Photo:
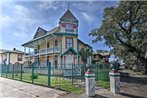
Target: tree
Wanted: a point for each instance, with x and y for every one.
(85, 53)
(101, 51)
(125, 26)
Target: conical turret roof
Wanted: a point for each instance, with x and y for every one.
(68, 16)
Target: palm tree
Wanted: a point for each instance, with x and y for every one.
(85, 53)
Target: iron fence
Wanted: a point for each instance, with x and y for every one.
(50, 75)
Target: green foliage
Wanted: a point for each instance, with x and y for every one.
(85, 53)
(103, 84)
(72, 88)
(124, 28)
(101, 51)
(35, 76)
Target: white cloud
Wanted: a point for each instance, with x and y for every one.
(20, 34)
(6, 20)
(47, 5)
(89, 18)
(21, 10)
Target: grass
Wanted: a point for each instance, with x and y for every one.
(56, 82)
(72, 88)
(103, 84)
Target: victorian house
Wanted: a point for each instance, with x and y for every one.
(60, 45)
(11, 56)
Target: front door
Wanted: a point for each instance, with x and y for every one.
(69, 60)
(68, 65)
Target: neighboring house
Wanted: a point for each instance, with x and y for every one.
(97, 57)
(59, 45)
(11, 56)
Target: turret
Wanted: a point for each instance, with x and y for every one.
(68, 23)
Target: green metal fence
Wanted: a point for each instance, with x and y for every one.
(55, 76)
(101, 72)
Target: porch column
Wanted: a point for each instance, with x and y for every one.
(29, 54)
(29, 50)
(24, 51)
(9, 59)
(46, 51)
(39, 61)
(53, 50)
(78, 52)
(61, 51)
(34, 51)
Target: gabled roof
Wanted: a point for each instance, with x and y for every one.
(54, 30)
(39, 32)
(84, 43)
(2, 50)
(11, 51)
(71, 50)
(68, 16)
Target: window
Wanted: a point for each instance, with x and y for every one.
(48, 45)
(69, 42)
(38, 47)
(48, 59)
(69, 28)
(19, 58)
(56, 43)
(56, 61)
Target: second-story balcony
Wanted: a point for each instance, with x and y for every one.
(44, 51)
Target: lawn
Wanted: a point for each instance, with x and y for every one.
(103, 84)
(56, 82)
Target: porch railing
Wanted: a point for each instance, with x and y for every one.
(43, 51)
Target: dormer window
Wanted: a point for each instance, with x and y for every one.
(69, 28)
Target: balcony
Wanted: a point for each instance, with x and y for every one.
(44, 51)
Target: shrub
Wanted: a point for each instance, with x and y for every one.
(35, 76)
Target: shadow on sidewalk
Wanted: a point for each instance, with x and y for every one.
(138, 80)
(98, 96)
(131, 96)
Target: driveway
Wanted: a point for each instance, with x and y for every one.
(16, 89)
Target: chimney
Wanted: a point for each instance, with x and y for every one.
(14, 49)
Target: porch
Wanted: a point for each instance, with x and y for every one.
(43, 51)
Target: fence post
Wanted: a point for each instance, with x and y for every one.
(72, 74)
(21, 72)
(13, 72)
(97, 72)
(49, 73)
(32, 73)
(6, 71)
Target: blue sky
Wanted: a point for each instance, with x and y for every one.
(20, 19)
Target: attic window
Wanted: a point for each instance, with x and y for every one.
(39, 33)
(69, 28)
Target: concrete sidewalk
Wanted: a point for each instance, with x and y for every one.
(17, 89)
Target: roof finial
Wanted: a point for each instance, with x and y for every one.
(68, 5)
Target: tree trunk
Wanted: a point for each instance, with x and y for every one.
(145, 66)
(144, 62)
